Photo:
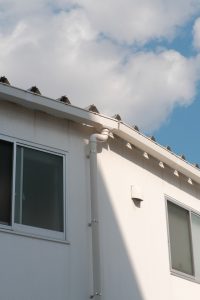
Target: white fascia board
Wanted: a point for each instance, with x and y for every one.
(70, 112)
(54, 107)
(157, 151)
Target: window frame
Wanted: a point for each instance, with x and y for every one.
(31, 230)
(190, 211)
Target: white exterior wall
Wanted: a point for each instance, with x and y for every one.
(42, 269)
(133, 241)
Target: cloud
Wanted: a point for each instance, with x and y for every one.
(159, 82)
(58, 46)
(196, 34)
(139, 20)
(124, 20)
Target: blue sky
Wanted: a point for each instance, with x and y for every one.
(140, 59)
(182, 127)
(181, 131)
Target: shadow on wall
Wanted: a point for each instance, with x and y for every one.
(119, 279)
(135, 263)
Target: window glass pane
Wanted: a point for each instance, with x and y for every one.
(39, 189)
(180, 241)
(196, 243)
(6, 161)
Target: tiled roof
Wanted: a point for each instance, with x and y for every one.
(93, 109)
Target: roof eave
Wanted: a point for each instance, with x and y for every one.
(157, 151)
(70, 112)
(54, 107)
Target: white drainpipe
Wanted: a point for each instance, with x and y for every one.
(94, 139)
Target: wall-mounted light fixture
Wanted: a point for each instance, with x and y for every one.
(136, 195)
(190, 181)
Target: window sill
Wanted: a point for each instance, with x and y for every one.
(10, 230)
(185, 276)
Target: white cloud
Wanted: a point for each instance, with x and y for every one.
(196, 33)
(158, 83)
(139, 20)
(123, 20)
(59, 50)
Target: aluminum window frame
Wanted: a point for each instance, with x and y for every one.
(190, 211)
(32, 231)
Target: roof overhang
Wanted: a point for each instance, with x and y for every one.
(158, 151)
(60, 110)
(55, 108)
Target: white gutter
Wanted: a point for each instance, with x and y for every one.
(94, 139)
(70, 112)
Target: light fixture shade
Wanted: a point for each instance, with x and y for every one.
(136, 193)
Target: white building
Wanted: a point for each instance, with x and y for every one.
(114, 219)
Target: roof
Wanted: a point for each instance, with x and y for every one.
(62, 108)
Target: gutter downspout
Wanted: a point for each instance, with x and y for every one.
(94, 139)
